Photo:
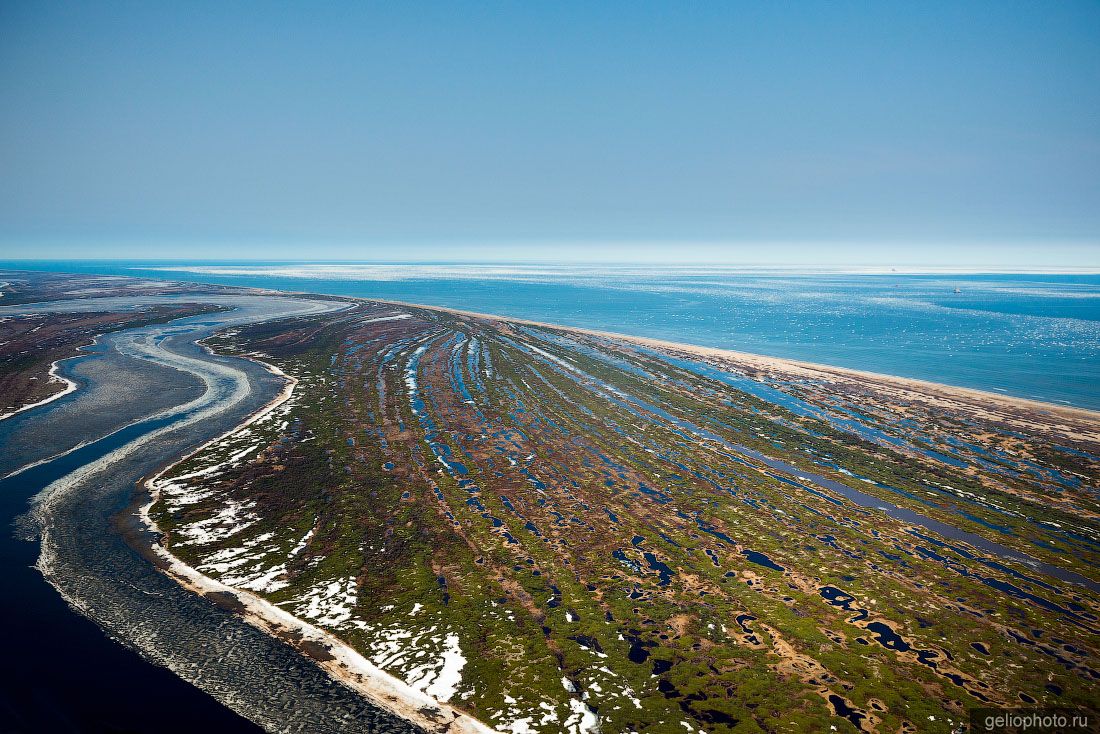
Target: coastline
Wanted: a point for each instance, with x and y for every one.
(70, 386)
(759, 361)
(337, 660)
(86, 561)
(1010, 407)
(342, 662)
(348, 666)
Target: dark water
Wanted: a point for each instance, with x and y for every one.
(1035, 336)
(62, 672)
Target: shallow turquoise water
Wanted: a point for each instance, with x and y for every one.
(1034, 336)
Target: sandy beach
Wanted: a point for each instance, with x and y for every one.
(1023, 413)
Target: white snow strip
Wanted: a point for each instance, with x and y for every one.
(396, 317)
(70, 386)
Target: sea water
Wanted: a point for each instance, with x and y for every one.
(1034, 336)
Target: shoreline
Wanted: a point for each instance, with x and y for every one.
(761, 360)
(70, 386)
(342, 662)
(339, 661)
(346, 665)
(764, 360)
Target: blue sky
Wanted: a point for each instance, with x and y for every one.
(816, 133)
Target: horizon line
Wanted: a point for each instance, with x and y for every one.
(200, 265)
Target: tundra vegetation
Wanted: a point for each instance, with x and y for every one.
(562, 531)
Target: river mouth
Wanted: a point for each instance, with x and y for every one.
(143, 654)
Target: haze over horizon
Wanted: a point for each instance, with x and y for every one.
(885, 135)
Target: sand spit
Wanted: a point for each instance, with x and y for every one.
(390, 693)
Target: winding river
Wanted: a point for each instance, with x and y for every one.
(171, 661)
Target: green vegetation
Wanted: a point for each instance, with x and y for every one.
(572, 519)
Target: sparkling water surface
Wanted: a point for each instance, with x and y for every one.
(1035, 336)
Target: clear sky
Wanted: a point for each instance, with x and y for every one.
(944, 133)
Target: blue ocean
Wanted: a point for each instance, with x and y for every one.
(1034, 336)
